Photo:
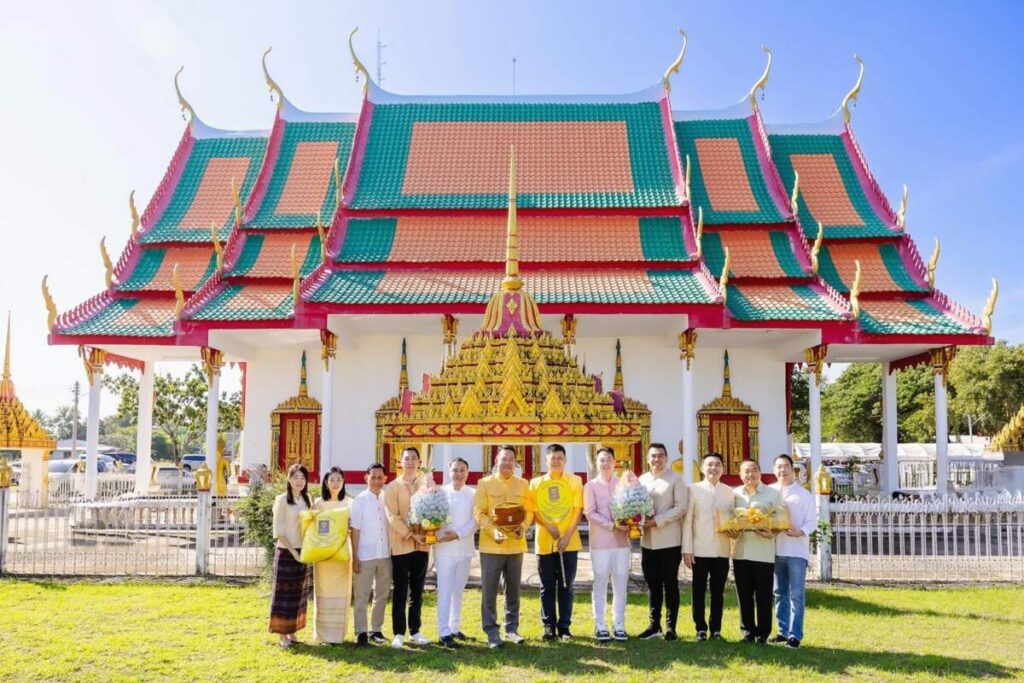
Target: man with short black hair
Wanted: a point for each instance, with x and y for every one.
(661, 543)
(371, 556)
(706, 551)
(792, 553)
(409, 555)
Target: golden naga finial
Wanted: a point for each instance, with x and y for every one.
(762, 81)
(136, 221)
(901, 214)
(700, 232)
(271, 83)
(816, 249)
(108, 266)
(855, 291)
(179, 293)
(185, 106)
(674, 66)
(794, 198)
(854, 92)
(512, 282)
(687, 180)
(933, 263)
(238, 201)
(217, 248)
(990, 307)
(296, 279)
(323, 237)
(358, 65)
(337, 185)
(51, 308)
(723, 280)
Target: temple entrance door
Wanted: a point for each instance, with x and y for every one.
(300, 442)
(728, 435)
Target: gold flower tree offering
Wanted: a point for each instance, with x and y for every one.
(428, 511)
(757, 517)
(631, 504)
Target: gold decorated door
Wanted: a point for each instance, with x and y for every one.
(300, 442)
(729, 435)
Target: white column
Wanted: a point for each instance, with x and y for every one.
(92, 431)
(327, 459)
(890, 433)
(690, 454)
(212, 419)
(941, 436)
(203, 518)
(814, 409)
(144, 430)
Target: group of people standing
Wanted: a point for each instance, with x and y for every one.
(388, 555)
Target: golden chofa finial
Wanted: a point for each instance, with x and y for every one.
(136, 221)
(108, 266)
(854, 92)
(674, 66)
(855, 291)
(185, 106)
(901, 214)
(360, 69)
(323, 237)
(816, 249)
(794, 198)
(512, 281)
(238, 201)
(296, 279)
(933, 263)
(217, 248)
(990, 307)
(700, 232)
(723, 280)
(762, 81)
(271, 83)
(179, 293)
(51, 308)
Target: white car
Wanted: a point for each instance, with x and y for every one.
(192, 461)
(171, 478)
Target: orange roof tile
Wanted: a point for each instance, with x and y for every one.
(462, 157)
(213, 201)
(724, 174)
(875, 275)
(822, 189)
(406, 285)
(308, 178)
(258, 297)
(147, 312)
(751, 254)
(192, 264)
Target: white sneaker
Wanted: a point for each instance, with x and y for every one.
(398, 642)
(418, 639)
(514, 638)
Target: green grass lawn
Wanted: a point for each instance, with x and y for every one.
(163, 631)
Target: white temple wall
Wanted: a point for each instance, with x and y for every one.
(368, 367)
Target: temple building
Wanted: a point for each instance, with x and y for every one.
(467, 271)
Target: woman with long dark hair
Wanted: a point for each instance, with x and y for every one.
(291, 577)
(332, 579)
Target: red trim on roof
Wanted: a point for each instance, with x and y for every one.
(521, 212)
(672, 150)
(876, 198)
(768, 169)
(266, 172)
(350, 183)
(57, 339)
(165, 190)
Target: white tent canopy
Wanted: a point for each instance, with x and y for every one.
(906, 452)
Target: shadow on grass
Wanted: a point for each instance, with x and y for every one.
(587, 658)
(834, 602)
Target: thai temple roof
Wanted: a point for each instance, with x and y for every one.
(18, 429)
(624, 206)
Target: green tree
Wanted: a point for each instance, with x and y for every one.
(987, 383)
(798, 405)
(59, 422)
(851, 406)
(179, 407)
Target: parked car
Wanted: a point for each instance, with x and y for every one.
(192, 461)
(171, 478)
(125, 460)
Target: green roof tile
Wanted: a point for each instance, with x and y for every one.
(367, 240)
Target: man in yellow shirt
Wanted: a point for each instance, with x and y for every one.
(556, 499)
(501, 554)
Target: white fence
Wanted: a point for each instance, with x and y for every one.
(969, 539)
(143, 536)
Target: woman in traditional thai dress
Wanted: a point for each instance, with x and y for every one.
(332, 579)
(291, 577)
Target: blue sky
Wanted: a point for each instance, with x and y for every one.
(90, 113)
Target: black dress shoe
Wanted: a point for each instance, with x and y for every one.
(748, 639)
(564, 634)
(461, 636)
(549, 634)
(793, 643)
(779, 639)
(761, 640)
(671, 635)
(377, 638)
(702, 635)
(716, 636)
(362, 640)
(449, 641)
(651, 631)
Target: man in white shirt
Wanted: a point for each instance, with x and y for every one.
(792, 553)
(453, 553)
(371, 556)
(706, 551)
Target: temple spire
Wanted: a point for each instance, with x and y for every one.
(6, 385)
(303, 387)
(403, 375)
(618, 385)
(512, 282)
(726, 378)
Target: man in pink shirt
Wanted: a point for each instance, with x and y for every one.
(609, 549)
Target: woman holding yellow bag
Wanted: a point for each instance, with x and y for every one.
(332, 577)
